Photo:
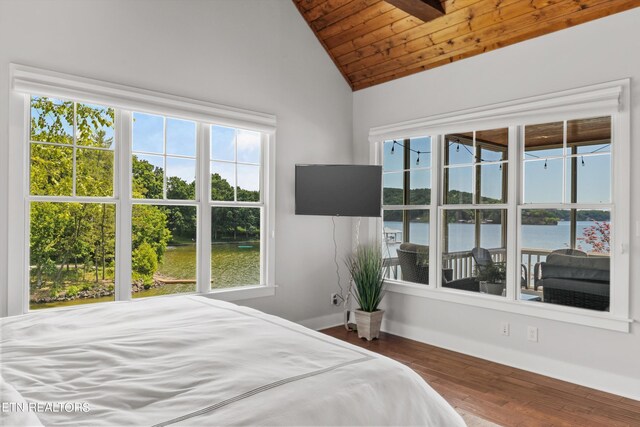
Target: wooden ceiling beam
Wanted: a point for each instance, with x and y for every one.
(425, 10)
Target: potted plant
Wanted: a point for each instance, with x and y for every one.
(366, 267)
(492, 278)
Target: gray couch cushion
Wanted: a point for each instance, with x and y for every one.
(596, 263)
(576, 267)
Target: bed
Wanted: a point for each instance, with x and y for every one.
(191, 360)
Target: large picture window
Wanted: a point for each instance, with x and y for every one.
(528, 211)
(75, 169)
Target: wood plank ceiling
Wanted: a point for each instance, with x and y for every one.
(372, 41)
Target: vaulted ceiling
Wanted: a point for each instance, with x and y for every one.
(373, 41)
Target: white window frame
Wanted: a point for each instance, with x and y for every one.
(605, 99)
(27, 81)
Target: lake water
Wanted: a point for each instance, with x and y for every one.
(462, 236)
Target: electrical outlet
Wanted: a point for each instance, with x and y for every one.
(504, 328)
(334, 299)
(532, 333)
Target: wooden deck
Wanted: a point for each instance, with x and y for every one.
(501, 394)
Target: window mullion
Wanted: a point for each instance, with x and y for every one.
(203, 186)
(124, 211)
(513, 263)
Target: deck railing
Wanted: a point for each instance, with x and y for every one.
(463, 265)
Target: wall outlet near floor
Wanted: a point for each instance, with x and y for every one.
(532, 333)
(504, 329)
(334, 299)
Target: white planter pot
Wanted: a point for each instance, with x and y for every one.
(368, 324)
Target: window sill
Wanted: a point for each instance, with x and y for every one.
(545, 311)
(241, 293)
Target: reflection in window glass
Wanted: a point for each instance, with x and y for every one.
(163, 257)
(72, 253)
(235, 247)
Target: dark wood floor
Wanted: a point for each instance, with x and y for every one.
(499, 393)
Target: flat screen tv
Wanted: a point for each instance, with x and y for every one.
(338, 190)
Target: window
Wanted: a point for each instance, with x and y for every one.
(531, 203)
(565, 217)
(236, 207)
(475, 211)
(406, 200)
(164, 233)
(125, 203)
(71, 238)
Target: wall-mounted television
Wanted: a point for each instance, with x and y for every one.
(338, 190)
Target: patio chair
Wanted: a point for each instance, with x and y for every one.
(483, 259)
(414, 262)
(537, 274)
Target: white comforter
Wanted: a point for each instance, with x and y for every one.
(196, 361)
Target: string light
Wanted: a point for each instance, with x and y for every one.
(408, 148)
(582, 160)
(545, 163)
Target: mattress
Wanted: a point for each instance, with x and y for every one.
(191, 360)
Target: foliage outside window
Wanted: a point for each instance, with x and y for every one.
(72, 244)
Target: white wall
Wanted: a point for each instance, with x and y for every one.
(254, 54)
(599, 51)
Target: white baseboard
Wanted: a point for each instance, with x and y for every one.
(323, 322)
(562, 370)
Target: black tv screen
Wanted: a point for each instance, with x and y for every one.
(338, 190)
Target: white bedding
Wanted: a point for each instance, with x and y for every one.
(195, 361)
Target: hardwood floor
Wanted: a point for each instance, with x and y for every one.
(499, 393)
